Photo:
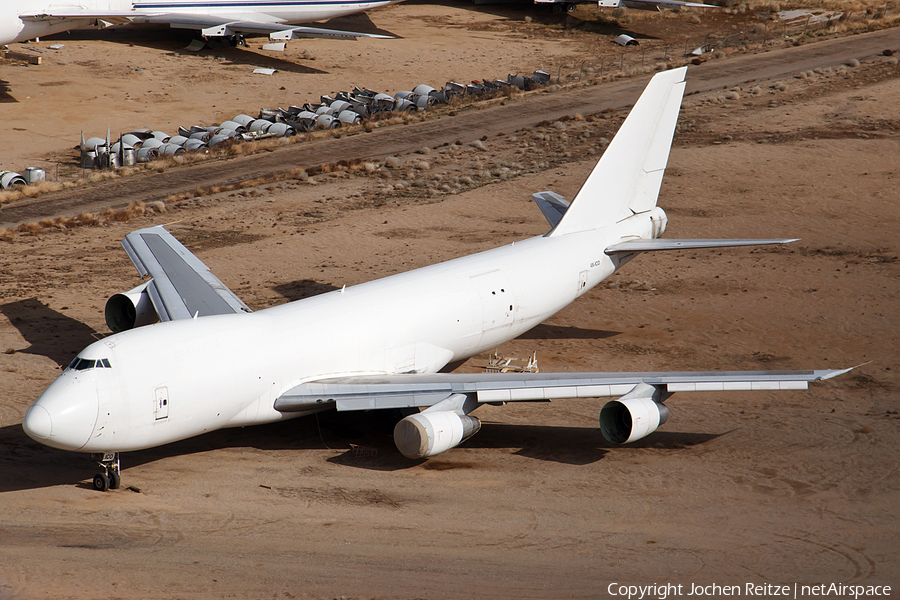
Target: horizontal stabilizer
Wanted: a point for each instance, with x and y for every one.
(552, 205)
(656, 245)
(420, 390)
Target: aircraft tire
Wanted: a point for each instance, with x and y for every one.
(101, 482)
(115, 480)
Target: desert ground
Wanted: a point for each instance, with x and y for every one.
(763, 488)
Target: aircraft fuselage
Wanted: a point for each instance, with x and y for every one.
(181, 378)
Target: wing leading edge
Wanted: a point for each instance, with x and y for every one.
(182, 286)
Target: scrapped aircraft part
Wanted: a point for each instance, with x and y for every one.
(327, 122)
(633, 416)
(201, 136)
(402, 104)
(10, 179)
(348, 117)
(259, 126)
(540, 77)
(339, 106)
(518, 81)
(280, 130)
(244, 120)
(129, 139)
(117, 147)
(626, 40)
(178, 140)
(423, 90)
(151, 143)
(128, 157)
(383, 102)
(89, 159)
(108, 160)
(34, 175)
(304, 121)
(93, 142)
(130, 309)
(218, 139)
(505, 364)
(194, 144)
(262, 71)
(232, 125)
(161, 136)
(430, 433)
(144, 155)
(171, 149)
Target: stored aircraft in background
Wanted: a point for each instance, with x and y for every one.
(212, 363)
(656, 5)
(224, 20)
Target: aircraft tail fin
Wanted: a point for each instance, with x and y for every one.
(628, 176)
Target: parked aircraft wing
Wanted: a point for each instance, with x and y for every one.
(552, 205)
(629, 246)
(182, 286)
(420, 390)
(218, 26)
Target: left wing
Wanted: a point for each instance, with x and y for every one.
(450, 397)
(182, 286)
(422, 390)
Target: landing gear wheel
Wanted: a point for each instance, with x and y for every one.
(101, 482)
(108, 478)
(570, 8)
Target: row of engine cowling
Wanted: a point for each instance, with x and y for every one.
(143, 145)
(345, 108)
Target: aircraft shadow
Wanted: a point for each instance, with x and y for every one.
(303, 288)
(49, 333)
(545, 331)
(366, 438)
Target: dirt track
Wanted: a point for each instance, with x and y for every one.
(464, 127)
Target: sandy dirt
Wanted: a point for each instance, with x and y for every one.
(741, 488)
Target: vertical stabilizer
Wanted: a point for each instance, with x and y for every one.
(627, 178)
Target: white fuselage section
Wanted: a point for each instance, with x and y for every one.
(13, 29)
(178, 379)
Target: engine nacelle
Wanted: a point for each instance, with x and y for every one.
(130, 309)
(430, 433)
(629, 419)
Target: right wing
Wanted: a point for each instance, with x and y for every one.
(182, 286)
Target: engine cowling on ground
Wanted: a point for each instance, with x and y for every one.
(130, 309)
(629, 419)
(430, 433)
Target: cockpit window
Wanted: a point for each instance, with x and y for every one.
(83, 364)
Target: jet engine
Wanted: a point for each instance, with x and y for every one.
(430, 433)
(633, 416)
(130, 309)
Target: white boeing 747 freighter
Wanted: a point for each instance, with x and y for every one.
(212, 363)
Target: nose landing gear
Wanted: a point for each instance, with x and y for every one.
(108, 478)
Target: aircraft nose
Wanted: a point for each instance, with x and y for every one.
(65, 415)
(37, 423)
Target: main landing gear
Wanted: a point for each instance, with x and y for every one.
(108, 478)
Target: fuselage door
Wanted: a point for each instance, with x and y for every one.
(161, 403)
